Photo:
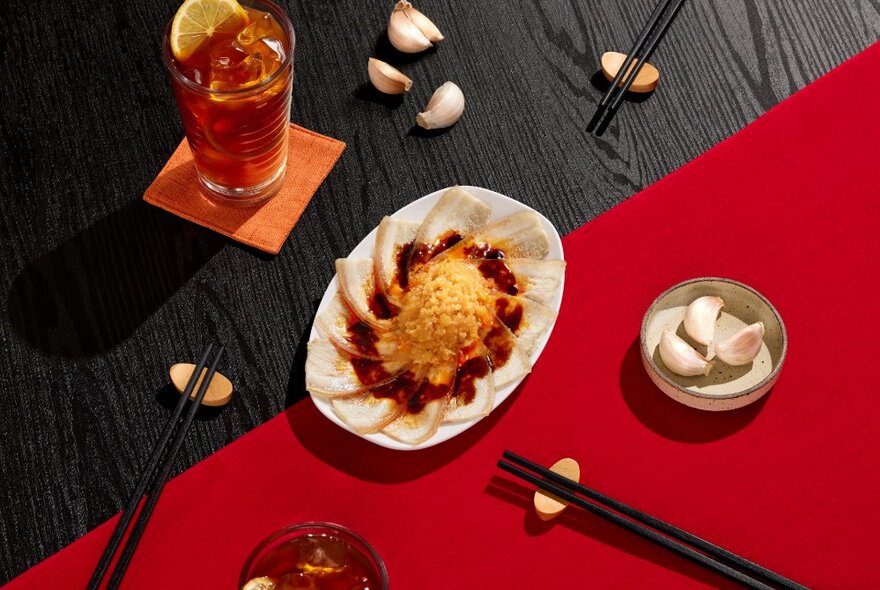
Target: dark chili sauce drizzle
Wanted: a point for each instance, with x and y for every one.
(363, 338)
(401, 388)
(492, 266)
(426, 393)
(500, 274)
(509, 312)
(484, 251)
(409, 256)
(369, 372)
(381, 307)
(408, 388)
(465, 377)
(499, 344)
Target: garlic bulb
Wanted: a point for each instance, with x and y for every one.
(444, 108)
(699, 319)
(742, 347)
(386, 78)
(680, 357)
(409, 30)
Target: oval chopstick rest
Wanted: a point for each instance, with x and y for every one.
(219, 391)
(549, 506)
(646, 80)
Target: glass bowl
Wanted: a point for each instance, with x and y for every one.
(280, 552)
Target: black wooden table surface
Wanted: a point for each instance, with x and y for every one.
(101, 293)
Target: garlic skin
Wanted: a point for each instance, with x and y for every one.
(409, 34)
(444, 108)
(699, 319)
(742, 347)
(424, 24)
(680, 357)
(387, 78)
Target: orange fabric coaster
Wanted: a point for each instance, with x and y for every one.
(310, 158)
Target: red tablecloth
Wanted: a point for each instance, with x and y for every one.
(790, 206)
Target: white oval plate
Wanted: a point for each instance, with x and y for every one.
(416, 211)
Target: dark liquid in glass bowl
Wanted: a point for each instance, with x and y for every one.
(315, 562)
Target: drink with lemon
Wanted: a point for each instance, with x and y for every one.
(231, 69)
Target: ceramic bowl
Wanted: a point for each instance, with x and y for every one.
(726, 387)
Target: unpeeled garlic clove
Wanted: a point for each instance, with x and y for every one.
(699, 319)
(444, 108)
(428, 28)
(742, 347)
(386, 78)
(680, 357)
(409, 30)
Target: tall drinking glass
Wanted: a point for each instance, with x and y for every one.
(234, 100)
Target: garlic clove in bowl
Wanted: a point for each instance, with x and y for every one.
(680, 357)
(742, 348)
(727, 387)
(699, 319)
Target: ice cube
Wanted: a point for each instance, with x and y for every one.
(320, 553)
(262, 27)
(232, 67)
(271, 53)
(263, 37)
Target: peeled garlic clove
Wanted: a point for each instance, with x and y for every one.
(444, 108)
(264, 583)
(742, 347)
(424, 24)
(403, 32)
(680, 357)
(386, 78)
(699, 319)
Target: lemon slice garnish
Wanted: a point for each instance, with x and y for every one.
(197, 21)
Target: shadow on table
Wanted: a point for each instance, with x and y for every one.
(90, 293)
(362, 459)
(167, 396)
(383, 50)
(601, 84)
(416, 131)
(671, 419)
(368, 92)
(584, 523)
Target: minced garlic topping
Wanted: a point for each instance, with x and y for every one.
(445, 310)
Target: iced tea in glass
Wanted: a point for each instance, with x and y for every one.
(233, 93)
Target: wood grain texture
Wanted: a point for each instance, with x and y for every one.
(102, 292)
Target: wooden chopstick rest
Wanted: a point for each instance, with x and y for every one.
(219, 391)
(549, 506)
(646, 80)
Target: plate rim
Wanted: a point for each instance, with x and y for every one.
(325, 407)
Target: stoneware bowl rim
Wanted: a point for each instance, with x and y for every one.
(646, 356)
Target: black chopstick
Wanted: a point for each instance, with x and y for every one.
(146, 476)
(646, 533)
(668, 529)
(648, 52)
(649, 27)
(159, 483)
(157, 455)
